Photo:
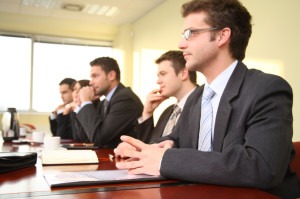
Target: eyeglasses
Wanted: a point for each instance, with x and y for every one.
(189, 32)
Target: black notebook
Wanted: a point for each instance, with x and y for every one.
(10, 161)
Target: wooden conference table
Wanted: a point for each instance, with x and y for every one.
(30, 183)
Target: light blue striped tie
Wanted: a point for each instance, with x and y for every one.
(205, 135)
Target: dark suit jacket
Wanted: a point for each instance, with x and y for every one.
(253, 132)
(53, 126)
(146, 131)
(105, 130)
(79, 134)
(61, 126)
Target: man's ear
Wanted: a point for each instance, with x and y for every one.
(224, 36)
(184, 73)
(111, 75)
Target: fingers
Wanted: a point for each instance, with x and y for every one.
(122, 146)
(125, 153)
(155, 95)
(145, 160)
(87, 91)
(155, 91)
(166, 144)
(136, 171)
(129, 164)
(142, 170)
(139, 145)
(128, 147)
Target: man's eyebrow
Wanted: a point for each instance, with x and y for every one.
(188, 28)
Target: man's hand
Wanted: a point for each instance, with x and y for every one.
(59, 107)
(86, 94)
(154, 98)
(69, 108)
(121, 147)
(143, 158)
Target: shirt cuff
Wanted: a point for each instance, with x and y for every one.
(52, 116)
(77, 109)
(82, 105)
(140, 120)
(59, 111)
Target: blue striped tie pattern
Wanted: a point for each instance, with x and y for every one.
(205, 135)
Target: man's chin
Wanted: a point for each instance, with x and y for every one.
(165, 94)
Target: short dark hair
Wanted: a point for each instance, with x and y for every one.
(178, 63)
(222, 14)
(82, 83)
(68, 81)
(107, 64)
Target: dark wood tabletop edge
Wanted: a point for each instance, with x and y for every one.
(100, 189)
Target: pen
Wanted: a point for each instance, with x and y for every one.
(82, 144)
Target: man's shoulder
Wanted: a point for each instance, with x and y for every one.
(265, 79)
(254, 79)
(125, 93)
(256, 75)
(196, 94)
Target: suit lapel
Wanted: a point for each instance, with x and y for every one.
(224, 111)
(101, 108)
(195, 115)
(119, 87)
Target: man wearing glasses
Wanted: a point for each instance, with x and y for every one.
(236, 130)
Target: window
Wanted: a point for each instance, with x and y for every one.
(15, 67)
(54, 62)
(51, 62)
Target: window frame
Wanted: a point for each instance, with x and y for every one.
(51, 40)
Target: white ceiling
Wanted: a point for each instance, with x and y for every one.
(128, 10)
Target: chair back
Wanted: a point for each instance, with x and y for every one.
(295, 164)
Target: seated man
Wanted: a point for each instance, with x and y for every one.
(116, 114)
(174, 80)
(60, 124)
(237, 129)
(78, 132)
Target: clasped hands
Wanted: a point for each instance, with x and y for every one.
(142, 158)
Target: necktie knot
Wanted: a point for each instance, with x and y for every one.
(176, 110)
(208, 93)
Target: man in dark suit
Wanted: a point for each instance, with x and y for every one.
(249, 140)
(60, 124)
(174, 80)
(116, 115)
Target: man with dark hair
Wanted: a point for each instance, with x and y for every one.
(236, 129)
(116, 115)
(174, 80)
(60, 124)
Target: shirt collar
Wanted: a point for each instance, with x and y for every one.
(218, 84)
(110, 94)
(182, 101)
